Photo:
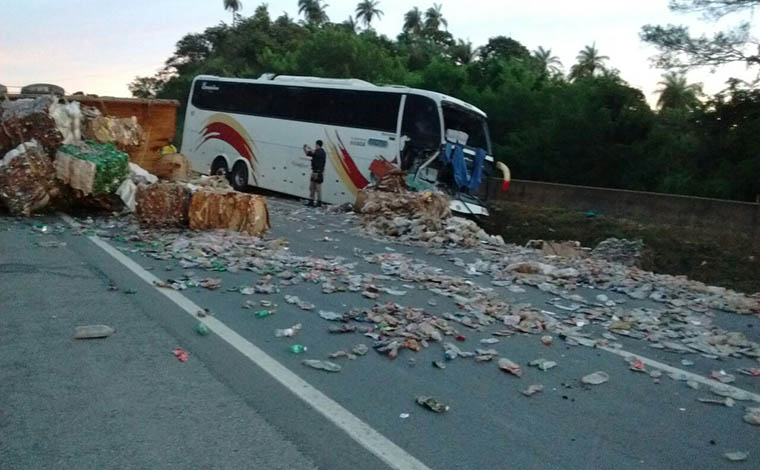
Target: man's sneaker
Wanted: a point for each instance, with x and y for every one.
(310, 203)
(318, 204)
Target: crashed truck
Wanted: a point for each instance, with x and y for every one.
(254, 130)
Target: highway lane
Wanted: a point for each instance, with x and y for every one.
(629, 422)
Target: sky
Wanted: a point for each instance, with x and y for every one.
(100, 46)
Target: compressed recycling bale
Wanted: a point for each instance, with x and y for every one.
(172, 167)
(92, 167)
(123, 132)
(27, 179)
(215, 209)
(29, 119)
(162, 204)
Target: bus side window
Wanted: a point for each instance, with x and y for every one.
(421, 123)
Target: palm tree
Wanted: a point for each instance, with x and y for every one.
(313, 11)
(367, 10)
(434, 18)
(233, 6)
(463, 53)
(677, 93)
(548, 62)
(589, 62)
(413, 21)
(350, 23)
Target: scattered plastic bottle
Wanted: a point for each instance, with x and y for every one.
(202, 329)
(93, 331)
(263, 313)
(297, 348)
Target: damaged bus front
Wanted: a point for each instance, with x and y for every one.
(447, 146)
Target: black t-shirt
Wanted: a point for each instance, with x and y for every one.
(318, 158)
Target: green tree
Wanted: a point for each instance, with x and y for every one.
(589, 63)
(680, 49)
(548, 62)
(462, 53)
(676, 93)
(314, 12)
(350, 24)
(413, 21)
(434, 18)
(367, 10)
(234, 6)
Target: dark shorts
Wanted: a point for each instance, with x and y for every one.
(317, 177)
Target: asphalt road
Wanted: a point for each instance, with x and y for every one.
(126, 402)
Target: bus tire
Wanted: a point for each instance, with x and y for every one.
(239, 176)
(219, 167)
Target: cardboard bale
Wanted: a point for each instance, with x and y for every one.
(172, 167)
(29, 119)
(27, 179)
(163, 204)
(92, 167)
(221, 209)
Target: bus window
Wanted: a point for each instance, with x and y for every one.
(472, 124)
(421, 123)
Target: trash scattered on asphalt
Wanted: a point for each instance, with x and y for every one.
(202, 329)
(508, 366)
(439, 364)
(542, 364)
(288, 332)
(752, 416)
(746, 371)
(297, 348)
(693, 384)
(403, 415)
(360, 349)
(326, 366)
(432, 404)
(597, 378)
(637, 365)
(93, 331)
(330, 316)
(532, 390)
(180, 354)
(736, 456)
(547, 340)
(726, 401)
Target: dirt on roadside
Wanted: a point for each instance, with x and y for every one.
(721, 259)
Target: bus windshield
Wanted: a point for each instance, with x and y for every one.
(456, 118)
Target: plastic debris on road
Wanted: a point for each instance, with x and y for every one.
(202, 329)
(508, 366)
(752, 416)
(432, 404)
(93, 331)
(542, 364)
(180, 354)
(736, 456)
(326, 366)
(288, 332)
(597, 378)
(532, 390)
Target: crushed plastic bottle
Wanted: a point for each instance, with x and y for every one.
(736, 456)
(542, 364)
(263, 313)
(326, 366)
(201, 329)
(532, 390)
(431, 403)
(288, 332)
(93, 331)
(508, 366)
(297, 348)
(597, 378)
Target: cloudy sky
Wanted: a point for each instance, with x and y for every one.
(98, 46)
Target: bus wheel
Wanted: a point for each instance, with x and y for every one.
(239, 176)
(219, 167)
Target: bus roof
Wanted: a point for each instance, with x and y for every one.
(344, 83)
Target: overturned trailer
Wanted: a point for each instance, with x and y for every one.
(255, 130)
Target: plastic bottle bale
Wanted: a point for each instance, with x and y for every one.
(162, 204)
(27, 179)
(219, 209)
(29, 119)
(92, 167)
(172, 167)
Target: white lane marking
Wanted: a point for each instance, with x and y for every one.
(674, 370)
(358, 430)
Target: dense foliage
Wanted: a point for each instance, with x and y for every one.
(588, 128)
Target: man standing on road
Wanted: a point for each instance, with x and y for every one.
(318, 159)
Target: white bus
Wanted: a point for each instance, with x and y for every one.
(254, 132)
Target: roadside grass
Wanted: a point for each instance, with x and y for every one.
(722, 259)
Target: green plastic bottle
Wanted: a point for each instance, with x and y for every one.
(202, 329)
(263, 313)
(297, 348)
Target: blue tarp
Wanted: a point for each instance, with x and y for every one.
(454, 155)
